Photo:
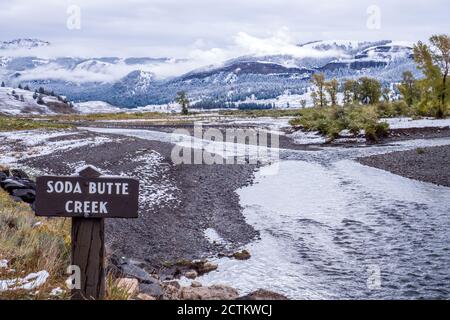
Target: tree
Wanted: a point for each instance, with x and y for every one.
(3, 84)
(332, 88)
(350, 92)
(40, 100)
(27, 88)
(318, 80)
(369, 90)
(41, 90)
(183, 100)
(20, 86)
(386, 94)
(434, 62)
(303, 103)
(408, 88)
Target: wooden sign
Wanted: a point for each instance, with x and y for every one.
(88, 199)
(88, 196)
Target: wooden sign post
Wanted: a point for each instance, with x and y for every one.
(88, 199)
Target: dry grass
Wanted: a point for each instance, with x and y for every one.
(109, 116)
(14, 123)
(115, 292)
(32, 244)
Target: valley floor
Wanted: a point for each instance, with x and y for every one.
(316, 214)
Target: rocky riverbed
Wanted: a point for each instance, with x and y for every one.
(423, 164)
(190, 214)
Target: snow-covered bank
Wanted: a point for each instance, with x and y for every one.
(16, 146)
(408, 123)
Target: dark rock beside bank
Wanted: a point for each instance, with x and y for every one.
(18, 184)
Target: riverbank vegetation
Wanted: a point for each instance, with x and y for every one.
(365, 101)
(31, 245)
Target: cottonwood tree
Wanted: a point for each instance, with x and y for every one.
(318, 95)
(408, 88)
(3, 84)
(369, 90)
(350, 92)
(386, 94)
(434, 61)
(332, 88)
(183, 100)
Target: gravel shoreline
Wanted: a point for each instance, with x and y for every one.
(201, 197)
(424, 164)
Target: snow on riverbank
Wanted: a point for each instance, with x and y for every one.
(408, 123)
(302, 137)
(20, 145)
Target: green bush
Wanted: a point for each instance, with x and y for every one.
(332, 121)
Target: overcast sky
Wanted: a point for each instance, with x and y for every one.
(216, 29)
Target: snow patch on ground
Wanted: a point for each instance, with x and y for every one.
(156, 188)
(408, 123)
(303, 138)
(96, 107)
(3, 263)
(57, 292)
(213, 237)
(30, 282)
(20, 145)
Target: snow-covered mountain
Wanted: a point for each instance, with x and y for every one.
(23, 44)
(14, 101)
(131, 82)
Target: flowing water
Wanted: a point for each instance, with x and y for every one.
(334, 229)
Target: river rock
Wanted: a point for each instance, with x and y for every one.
(175, 284)
(262, 294)
(152, 289)
(29, 184)
(242, 255)
(215, 292)
(207, 267)
(196, 284)
(27, 195)
(191, 274)
(131, 270)
(171, 292)
(4, 170)
(19, 174)
(146, 297)
(9, 185)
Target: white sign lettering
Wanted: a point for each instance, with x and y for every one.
(87, 207)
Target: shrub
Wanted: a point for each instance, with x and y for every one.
(332, 121)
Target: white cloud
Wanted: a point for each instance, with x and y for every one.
(206, 32)
(280, 43)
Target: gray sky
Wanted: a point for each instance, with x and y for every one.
(215, 29)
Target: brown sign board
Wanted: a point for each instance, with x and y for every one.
(87, 196)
